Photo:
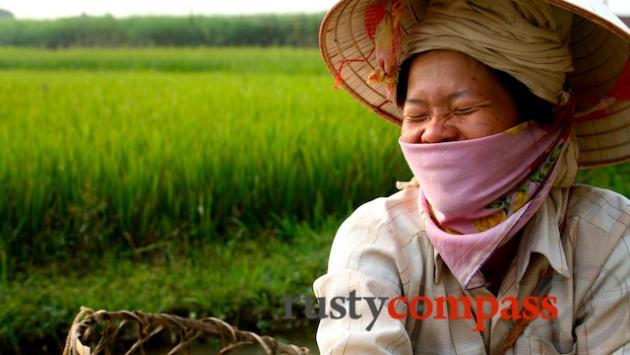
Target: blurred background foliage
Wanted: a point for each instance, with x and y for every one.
(299, 30)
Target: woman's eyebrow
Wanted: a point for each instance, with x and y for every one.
(415, 101)
(460, 94)
(451, 97)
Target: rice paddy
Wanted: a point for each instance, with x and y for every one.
(124, 157)
(134, 150)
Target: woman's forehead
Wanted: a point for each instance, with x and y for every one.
(438, 62)
(452, 71)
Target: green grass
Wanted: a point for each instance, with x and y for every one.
(616, 178)
(101, 159)
(179, 181)
(250, 60)
(242, 281)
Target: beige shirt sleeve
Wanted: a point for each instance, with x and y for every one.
(603, 322)
(362, 261)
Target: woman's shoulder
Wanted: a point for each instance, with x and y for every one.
(600, 208)
(396, 214)
(384, 225)
(598, 223)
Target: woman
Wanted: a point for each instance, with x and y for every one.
(491, 248)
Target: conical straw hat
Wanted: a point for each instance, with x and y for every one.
(600, 48)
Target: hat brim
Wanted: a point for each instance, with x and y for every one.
(600, 45)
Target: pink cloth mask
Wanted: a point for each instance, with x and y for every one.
(476, 194)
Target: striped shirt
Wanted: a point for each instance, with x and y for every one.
(580, 234)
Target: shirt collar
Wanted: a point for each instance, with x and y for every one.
(542, 235)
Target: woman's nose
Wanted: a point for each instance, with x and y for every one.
(438, 130)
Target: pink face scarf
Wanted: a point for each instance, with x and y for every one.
(476, 194)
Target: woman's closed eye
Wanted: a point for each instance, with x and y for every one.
(465, 111)
(469, 109)
(417, 117)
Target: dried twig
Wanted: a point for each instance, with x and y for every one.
(85, 323)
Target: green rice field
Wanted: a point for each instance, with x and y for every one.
(169, 180)
(124, 157)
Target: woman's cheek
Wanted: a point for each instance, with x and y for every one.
(475, 126)
(410, 132)
(483, 124)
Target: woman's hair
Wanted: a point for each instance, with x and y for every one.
(528, 105)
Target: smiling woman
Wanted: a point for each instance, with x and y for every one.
(452, 96)
(499, 102)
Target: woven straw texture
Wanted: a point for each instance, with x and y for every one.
(600, 47)
(102, 332)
